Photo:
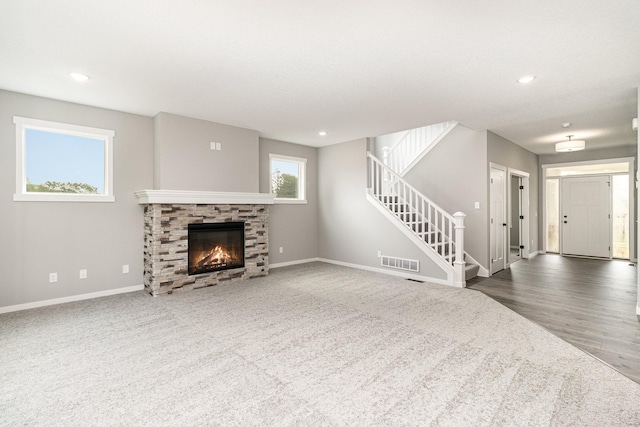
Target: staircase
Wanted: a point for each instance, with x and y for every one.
(437, 233)
(438, 241)
(414, 145)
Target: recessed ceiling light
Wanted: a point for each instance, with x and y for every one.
(526, 79)
(566, 124)
(322, 133)
(79, 77)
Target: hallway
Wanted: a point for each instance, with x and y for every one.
(588, 303)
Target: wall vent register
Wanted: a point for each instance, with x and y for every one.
(400, 263)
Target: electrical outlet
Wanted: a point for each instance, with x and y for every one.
(53, 277)
(125, 269)
(379, 254)
(281, 249)
(83, 274)
(476, 205)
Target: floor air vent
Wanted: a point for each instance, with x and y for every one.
(400, 263)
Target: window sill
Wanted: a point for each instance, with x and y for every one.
(62, 197)
(289, 202)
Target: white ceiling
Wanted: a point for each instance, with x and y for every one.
(355, 68)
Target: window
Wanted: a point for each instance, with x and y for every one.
(62, 162)
(287, 178)
(620, 211)
(553, 215)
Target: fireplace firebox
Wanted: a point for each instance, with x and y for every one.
(215, 247)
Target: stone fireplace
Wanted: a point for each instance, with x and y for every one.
(176, 220)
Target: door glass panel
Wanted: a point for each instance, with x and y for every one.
(597, 169)
(553, 215)
(620, 214)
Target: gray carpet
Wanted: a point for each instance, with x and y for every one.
(308, 345)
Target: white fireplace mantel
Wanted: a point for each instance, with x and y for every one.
(179, 197)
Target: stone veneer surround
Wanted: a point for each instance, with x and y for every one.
(166, 239)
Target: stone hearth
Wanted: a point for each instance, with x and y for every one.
(167, 215)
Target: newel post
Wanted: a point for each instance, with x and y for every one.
(458, 263)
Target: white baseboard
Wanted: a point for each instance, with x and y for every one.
(296, 262)
(29, 305)
(534, 254)
(483, 272)
(388, 272)
(638, 310)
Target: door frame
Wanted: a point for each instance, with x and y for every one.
(526, 212)
(632, 201)
(504, 213)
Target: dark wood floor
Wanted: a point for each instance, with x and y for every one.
(588, 303)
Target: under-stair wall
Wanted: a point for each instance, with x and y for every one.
(351, 230)
(454, 175)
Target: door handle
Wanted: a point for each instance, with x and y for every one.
(504, 224)
(565, 222)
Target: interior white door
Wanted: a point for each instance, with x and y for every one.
(497, 221)
(586, 216)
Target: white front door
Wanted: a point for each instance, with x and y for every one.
(497, 220)
(586, 216)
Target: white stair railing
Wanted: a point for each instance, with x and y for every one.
(401, 155)
(439, 230)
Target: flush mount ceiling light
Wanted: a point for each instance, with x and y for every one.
(79, 77)
(566, 124)
(570, 145)
(526, 79)
(322, 133)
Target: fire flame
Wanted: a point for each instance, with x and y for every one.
(216, 255)
(220, 257)
(220, 254)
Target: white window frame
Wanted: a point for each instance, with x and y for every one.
(302, 171)
(106, 135)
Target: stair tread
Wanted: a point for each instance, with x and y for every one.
(471, 271)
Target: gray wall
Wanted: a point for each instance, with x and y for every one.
(39, 238)
(506, 153)
(454, 176)
(184, 160)
(350, 229)
(294, 227)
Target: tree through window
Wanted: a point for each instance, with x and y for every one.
(287, 178)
